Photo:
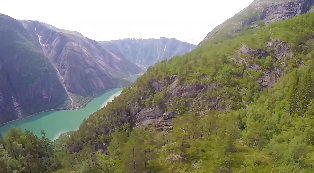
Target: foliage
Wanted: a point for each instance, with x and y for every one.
(262, 130)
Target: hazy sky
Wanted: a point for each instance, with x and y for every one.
(101, 20)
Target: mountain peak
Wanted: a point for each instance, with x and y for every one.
(147, 52)
(260, 12)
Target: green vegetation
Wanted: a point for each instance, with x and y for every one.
(252, 129)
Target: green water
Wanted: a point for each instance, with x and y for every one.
(55, 123)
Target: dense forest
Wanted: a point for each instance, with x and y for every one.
(254, 113)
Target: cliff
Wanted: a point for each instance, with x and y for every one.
(259, 13)
(43, 68)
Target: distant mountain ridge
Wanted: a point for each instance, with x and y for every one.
(43, 67)
(147, 52)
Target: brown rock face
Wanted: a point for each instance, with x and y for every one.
(28, 81)
(84, 67)
(42, 67)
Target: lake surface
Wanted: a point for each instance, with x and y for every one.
(55, 123)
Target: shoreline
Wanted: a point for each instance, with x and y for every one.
(62, 109)
(83, 105)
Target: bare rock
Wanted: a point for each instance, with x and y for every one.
(279, 48)
(169, 115)
(253, 66)
(157, 86)
(245, 49)
(148, 114)
(270, 77)
(134, 108)
(259, 53)
(286, 10)
(268, 11)
(191, 90)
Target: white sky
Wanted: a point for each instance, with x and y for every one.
(102, 20)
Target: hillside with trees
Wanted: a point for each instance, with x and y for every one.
(236, 103)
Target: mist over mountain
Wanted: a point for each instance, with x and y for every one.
(147, 52)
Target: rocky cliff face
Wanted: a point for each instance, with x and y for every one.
(43, 67)
(29, 83)
(146, 52)
(261, 12)
(79, 60)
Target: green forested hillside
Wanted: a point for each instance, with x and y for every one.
(244, 103)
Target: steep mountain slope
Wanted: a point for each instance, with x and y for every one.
(79, 60)
(243, 104)
(29, 83)
(147, 52)
(259, 13)
(44, 68)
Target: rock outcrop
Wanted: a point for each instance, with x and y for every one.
(267, 11)
(279, 48)
(270, 77)
(155, 115)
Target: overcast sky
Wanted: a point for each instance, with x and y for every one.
(101, 20)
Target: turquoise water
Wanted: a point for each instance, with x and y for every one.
(55, 123)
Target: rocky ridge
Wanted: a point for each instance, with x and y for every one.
(44, 68)
(147, 52)
(262, 11)
(29, 83)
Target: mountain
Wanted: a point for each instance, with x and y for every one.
(45, 68)
(256, 15)
(29, 83)
(241, 102)
(147, 52)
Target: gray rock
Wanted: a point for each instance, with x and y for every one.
(267, 11)
(148, 113)
(279, 48)
(169, 115)
(260, 53)
(157, 86)
(270, 77)
(253, 66)
(286, 10)
(244, 49)
(134, 108)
